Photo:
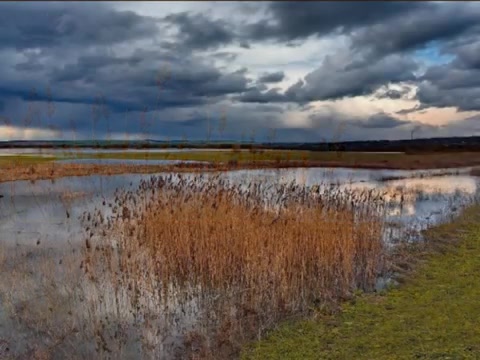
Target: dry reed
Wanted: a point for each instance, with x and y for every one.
(217, 264)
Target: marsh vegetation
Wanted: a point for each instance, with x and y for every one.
(194, 266)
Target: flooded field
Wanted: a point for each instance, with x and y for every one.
(31, 211)
(43, 227)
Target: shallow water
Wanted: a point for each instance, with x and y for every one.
(39, 221)
(48, 211)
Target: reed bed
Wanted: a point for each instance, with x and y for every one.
(203, 265)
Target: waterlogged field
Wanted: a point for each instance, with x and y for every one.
(195, 266)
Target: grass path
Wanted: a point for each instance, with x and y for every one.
(434, 314)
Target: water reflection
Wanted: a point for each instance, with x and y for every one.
(48, 210)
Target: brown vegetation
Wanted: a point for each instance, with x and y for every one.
(189, 267)
(218, 265)
(51, 170)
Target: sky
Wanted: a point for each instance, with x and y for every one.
(252, 71)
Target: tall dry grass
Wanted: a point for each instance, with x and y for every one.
(204, 265)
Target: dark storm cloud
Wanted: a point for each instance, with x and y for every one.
(381, 48)
(462, 98)
(32, 25)
(430, 21)
(394, 94)
(295, 20)
(380, 27)
(455, 84)
(196, 31)
(75, 54)
(254, 95)
(468, 55)
(151, 79)
(339, 77)
(273, 77)
(195, 123)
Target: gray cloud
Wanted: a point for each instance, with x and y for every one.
(432, 22)
(467, 55)
(455, 84)
(196, 31)
(381, 121)
(46, 24)
(381, 28)
(298, 20)
(131, 82)
(272, 77)
(338, 78)
(177, 67)
(254, 95)
(394, 94)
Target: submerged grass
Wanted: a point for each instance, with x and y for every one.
(433, 315)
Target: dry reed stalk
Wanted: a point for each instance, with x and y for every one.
(233, 260)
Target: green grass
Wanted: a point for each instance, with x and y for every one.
(245, 156)
(435, 314)
(24, 160)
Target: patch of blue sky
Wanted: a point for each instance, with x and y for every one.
(432, 55)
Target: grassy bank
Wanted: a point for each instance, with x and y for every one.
(310, 158)
(22, 160)
(434, 314)
(31, 167)
(243, 156)
(48, 170)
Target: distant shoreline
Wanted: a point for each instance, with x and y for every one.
(32, 169)
(412, 145)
